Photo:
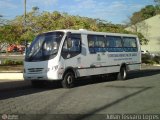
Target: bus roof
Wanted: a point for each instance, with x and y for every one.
(84, 31)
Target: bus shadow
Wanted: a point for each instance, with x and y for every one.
(93, 80)
(23, 89)
(16, 92)
(112, 78)
(143, 73)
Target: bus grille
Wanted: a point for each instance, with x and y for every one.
(35, 70)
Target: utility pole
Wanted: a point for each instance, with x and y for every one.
(24, 13)
(26, 43)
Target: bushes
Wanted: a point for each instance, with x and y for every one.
(150, 59)
(157, 59)
(12, 62)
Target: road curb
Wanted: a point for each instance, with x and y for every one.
(11, 76)
(157, 65)
(12, 80)
(11, 72)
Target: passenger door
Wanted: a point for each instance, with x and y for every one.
(71, 51)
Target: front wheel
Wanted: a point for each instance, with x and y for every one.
(68, 80)
(122, 75)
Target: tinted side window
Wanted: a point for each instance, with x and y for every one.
(91, 41)
(129, 42)
(114, 44)
(71, 46)
(96, 43)
(114, 41)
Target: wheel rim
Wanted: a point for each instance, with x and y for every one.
(123, 73)
(69, 79)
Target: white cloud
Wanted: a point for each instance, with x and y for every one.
(44, 2)
(118, 5)
(39, 3)
(86, 4)
(108, 10)
(7, 4)
(80, 6)
(112, 10)
(135, 6)
(98, 9)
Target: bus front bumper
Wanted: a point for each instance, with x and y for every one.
(42, 76)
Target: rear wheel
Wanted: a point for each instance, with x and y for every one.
(68, 80)
(122, 75)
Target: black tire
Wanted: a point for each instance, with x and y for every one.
(68, 80)
(122, 75)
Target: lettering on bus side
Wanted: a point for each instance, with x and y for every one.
(123, 55)
(100, 43)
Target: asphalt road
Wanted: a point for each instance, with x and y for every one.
(140, 94)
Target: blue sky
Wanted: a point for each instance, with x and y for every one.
(115, 11)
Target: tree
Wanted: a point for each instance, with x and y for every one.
(2, 20)
(137, 23)
(10, 34)
(145, 13)
(39, 22)
(143, 40)
(157, 2)
(157, 6)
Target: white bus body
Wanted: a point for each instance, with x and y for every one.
(69, 54)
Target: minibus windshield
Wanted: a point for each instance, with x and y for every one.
(44, 47)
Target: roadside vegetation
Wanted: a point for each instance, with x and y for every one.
(11, 65)
(150, 59)
(11, 68)
(16, 31)
(11, 62)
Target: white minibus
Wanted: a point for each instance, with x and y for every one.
(69, 54)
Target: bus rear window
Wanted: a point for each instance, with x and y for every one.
(129, 42)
